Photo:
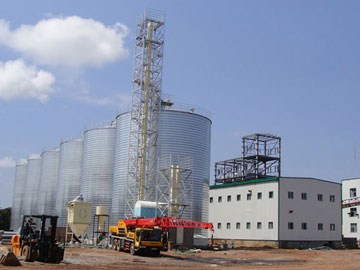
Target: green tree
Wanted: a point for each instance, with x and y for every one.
(5, 217)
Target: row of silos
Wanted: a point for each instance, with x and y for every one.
(97, 166)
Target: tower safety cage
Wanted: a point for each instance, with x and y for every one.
(146, 93)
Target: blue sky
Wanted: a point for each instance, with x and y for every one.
(286, 67)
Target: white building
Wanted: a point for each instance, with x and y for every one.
(350, 214)
(290, 212)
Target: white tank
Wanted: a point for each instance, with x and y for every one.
(79, 216)
(102, 214)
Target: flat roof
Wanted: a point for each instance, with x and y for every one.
(245, 182)
(350, 179)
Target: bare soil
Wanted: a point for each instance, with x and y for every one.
(85, 258)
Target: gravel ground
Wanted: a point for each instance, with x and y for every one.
(83, 258)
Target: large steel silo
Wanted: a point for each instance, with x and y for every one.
(98, 166)
(182, 134)
(69, 176)
(48, 181)
(32, 185)
(18, 194)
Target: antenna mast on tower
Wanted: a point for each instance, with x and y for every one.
(146, 99)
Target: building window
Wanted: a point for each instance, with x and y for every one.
(271, 194)
(248, 196)
(353, 227)
(290, 225)
(228, 226)
(304, 196)
(229, 198)
(259, 195)
(320, 197)
(238, 197)
(270, 225)
(320, 226)
(248, 225)
(353, 212)
(211, 199)
(332, 198)
(238, 225)
(219, 199)
(291, 195)
(332, 227)
(352, 192)
(219, 226)
(304, 226)
(258, 226)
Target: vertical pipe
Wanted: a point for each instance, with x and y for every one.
(172, 181)
(144, 126)
(177, 187)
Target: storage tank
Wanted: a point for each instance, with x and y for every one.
(69, 176)
(18, 194)
(98, 165)
(48, 181)
(78, 215)
(32, 185)
(183, 132)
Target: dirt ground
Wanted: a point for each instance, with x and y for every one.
(84, 258)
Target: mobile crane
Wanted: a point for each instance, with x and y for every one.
(148, 235)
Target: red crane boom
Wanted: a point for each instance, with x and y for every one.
(167, 222)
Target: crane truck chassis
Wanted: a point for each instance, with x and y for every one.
(147, 236)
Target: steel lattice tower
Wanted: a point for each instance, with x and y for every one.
(146, 99)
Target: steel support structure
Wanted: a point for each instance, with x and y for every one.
(261, 156)
(173, 187)
(145, 107)
(264, 152)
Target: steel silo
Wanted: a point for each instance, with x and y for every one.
(98, 166)
(32, 185)
(120, 167)
(48, 181)
(69, 176)
(182, 133)
(18, 194)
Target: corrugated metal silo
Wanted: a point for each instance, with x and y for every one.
(18, 194)
(32, 185)
(69, 176)
(48, 181)
(182, 133)
(98, 166)
(120, 167)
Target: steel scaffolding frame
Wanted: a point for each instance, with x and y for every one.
(145, 106)
(173, 187)
(261, 156)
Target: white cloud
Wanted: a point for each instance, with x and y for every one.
(67, 41)
(7, 162)
(17, 80)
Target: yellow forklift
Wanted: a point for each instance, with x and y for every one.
(38, 243)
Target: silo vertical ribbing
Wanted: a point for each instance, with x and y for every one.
(18, 195)
(69, 176)
(32, 185)
(98, 166)
(48, 181)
